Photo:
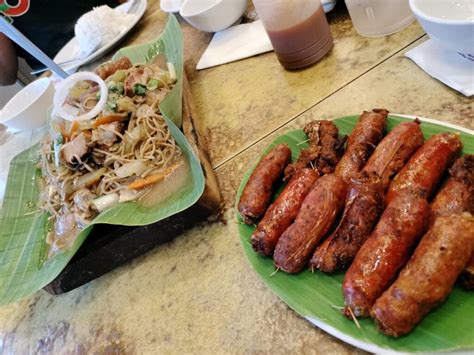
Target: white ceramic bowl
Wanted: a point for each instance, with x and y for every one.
(28, 108)
(212, 15)
(451, 22)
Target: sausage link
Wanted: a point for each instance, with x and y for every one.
(107, 69)
(363, 207)
(365, 199)
(283, 211)
(324, 151)
(425, 168)
(385, 252)
(361, 143)
(318, 213)
(428, 277)
(394, 150)
(457, 194)
(455, 197)
(259, 188)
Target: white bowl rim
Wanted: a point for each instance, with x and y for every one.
(4, 118)
(426, 17)
(200, 12)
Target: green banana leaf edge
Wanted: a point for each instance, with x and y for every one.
(23, 227)
(318, 298)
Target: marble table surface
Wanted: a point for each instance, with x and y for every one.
(198, 294)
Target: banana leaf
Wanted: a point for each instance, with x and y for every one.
(23, 227)
(318, 298)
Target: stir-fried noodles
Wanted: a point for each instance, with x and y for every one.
(118, 156)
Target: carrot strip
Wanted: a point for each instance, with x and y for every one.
(149, 180)
(152, 179)
(107, 119)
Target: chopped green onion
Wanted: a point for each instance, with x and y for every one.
(152, 84)
(115, 87)
(110, 106)
(139, 89)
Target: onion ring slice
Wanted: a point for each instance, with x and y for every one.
(63, 91)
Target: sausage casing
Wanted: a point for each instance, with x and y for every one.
(318, 213)
(324, 151)
(385, 252)
(457, 194)
(283, 211)
(425, 168)
(394, 150)
(362, 141)
(428, 277)
(363, 206)
(455, 197)
(107, 69)
(259, 188)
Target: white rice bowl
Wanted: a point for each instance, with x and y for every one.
(100, 26)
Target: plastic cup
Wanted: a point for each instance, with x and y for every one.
(298, 30)
(378, 18)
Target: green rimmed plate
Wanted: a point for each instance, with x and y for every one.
(317, 297)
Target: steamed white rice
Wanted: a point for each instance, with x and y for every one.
(100, 26)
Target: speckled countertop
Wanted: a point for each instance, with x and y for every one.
(198, 294)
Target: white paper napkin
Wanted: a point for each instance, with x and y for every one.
(234, 43)
(451, 68)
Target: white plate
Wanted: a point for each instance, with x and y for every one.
(72, 49)
(171, 5)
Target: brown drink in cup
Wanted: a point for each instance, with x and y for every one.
(298, 30)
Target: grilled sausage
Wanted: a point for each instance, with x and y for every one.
(318, 213)
(455, 197)
(365, 199)
(457, 194)
(394, 150)
(107, 69)
(428, 277)
(385, 252)
(361, 143)
(283, 211)
(363, 207)
(425, 168)
(258, 190)
(324, 151)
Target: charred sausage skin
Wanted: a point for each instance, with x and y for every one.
(362, 141)
(363, 206)
(457, 194)
(425, 168)
(259, 188)
(455, 197)
(283, 211)
(107, 69)
(394, 150)
(324, 151)
(365, 199)
(429, 276)
(318, 213)
(385, 252)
